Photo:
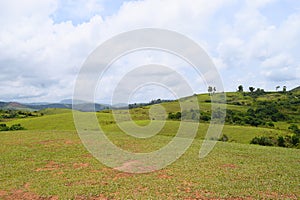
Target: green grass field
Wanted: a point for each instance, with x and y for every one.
(55, 164)
(49, 161)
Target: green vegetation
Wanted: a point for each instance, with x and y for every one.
(14, 127)
(48, 159)
(291, 141)
(13, 114)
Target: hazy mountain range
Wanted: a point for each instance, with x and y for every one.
(67, 103)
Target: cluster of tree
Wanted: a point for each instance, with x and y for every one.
(10, 114)
(191, 115)
(263, 115)
(291, 103)
(174, 116)
(15, 127)
(289, 141)
(253, 93)
(283, 88)
(152, 102)
(211, 90)
(258, 90)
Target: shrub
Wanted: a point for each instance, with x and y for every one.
(264, 141)
(174, 116)
(4, 127)
(270, 124)
(205, 117)
(281, 141)
(16, 127)
(294, 128)
(224, 138)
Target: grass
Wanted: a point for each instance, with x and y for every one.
(55, 163)
(48, 160)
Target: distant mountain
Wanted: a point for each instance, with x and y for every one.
(37, 103)
(70, 101)
(120, 106)
(86, 107)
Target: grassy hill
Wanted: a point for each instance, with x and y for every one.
(48, 159)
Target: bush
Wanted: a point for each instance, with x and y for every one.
(271, 124)
(264, 141)
(4, 127)
(16, 127)
(289, 141)
(295, 140)
(281, 141)
(205, 117)
(224, 138)
(176, 116)
(293, 127)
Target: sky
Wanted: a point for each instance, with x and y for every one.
(43, 44)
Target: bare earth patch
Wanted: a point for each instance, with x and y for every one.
(133, 166)
(2, 193)
(49, 167)
(80, 165)
(229, 166)
(20, 194)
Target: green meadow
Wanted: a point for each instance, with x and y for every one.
(47, 160)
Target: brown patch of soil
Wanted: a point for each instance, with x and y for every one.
(164, 176)
(49, 167)
(122, 175)
(87, 155)
(27, 186)
(20, 194)
(2, 193)
(133, 166)
(72, 142)
(80, 165)
(69, 142)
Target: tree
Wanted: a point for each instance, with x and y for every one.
(4, 127)
(284, 89)
(277, 87)
(281, 141)
(240, 88)
(251, 89)
(210, 89)
(214, 90)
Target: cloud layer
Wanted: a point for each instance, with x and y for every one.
(44, 43)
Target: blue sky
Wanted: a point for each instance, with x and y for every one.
(68, 10)
(43, 44)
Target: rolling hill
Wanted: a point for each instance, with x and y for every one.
(49, 161)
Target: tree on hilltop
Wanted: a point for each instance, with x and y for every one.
(240, 88)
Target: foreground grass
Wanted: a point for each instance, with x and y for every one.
(55, 164)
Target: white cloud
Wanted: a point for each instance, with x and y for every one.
(44, 43)
(278, 61)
